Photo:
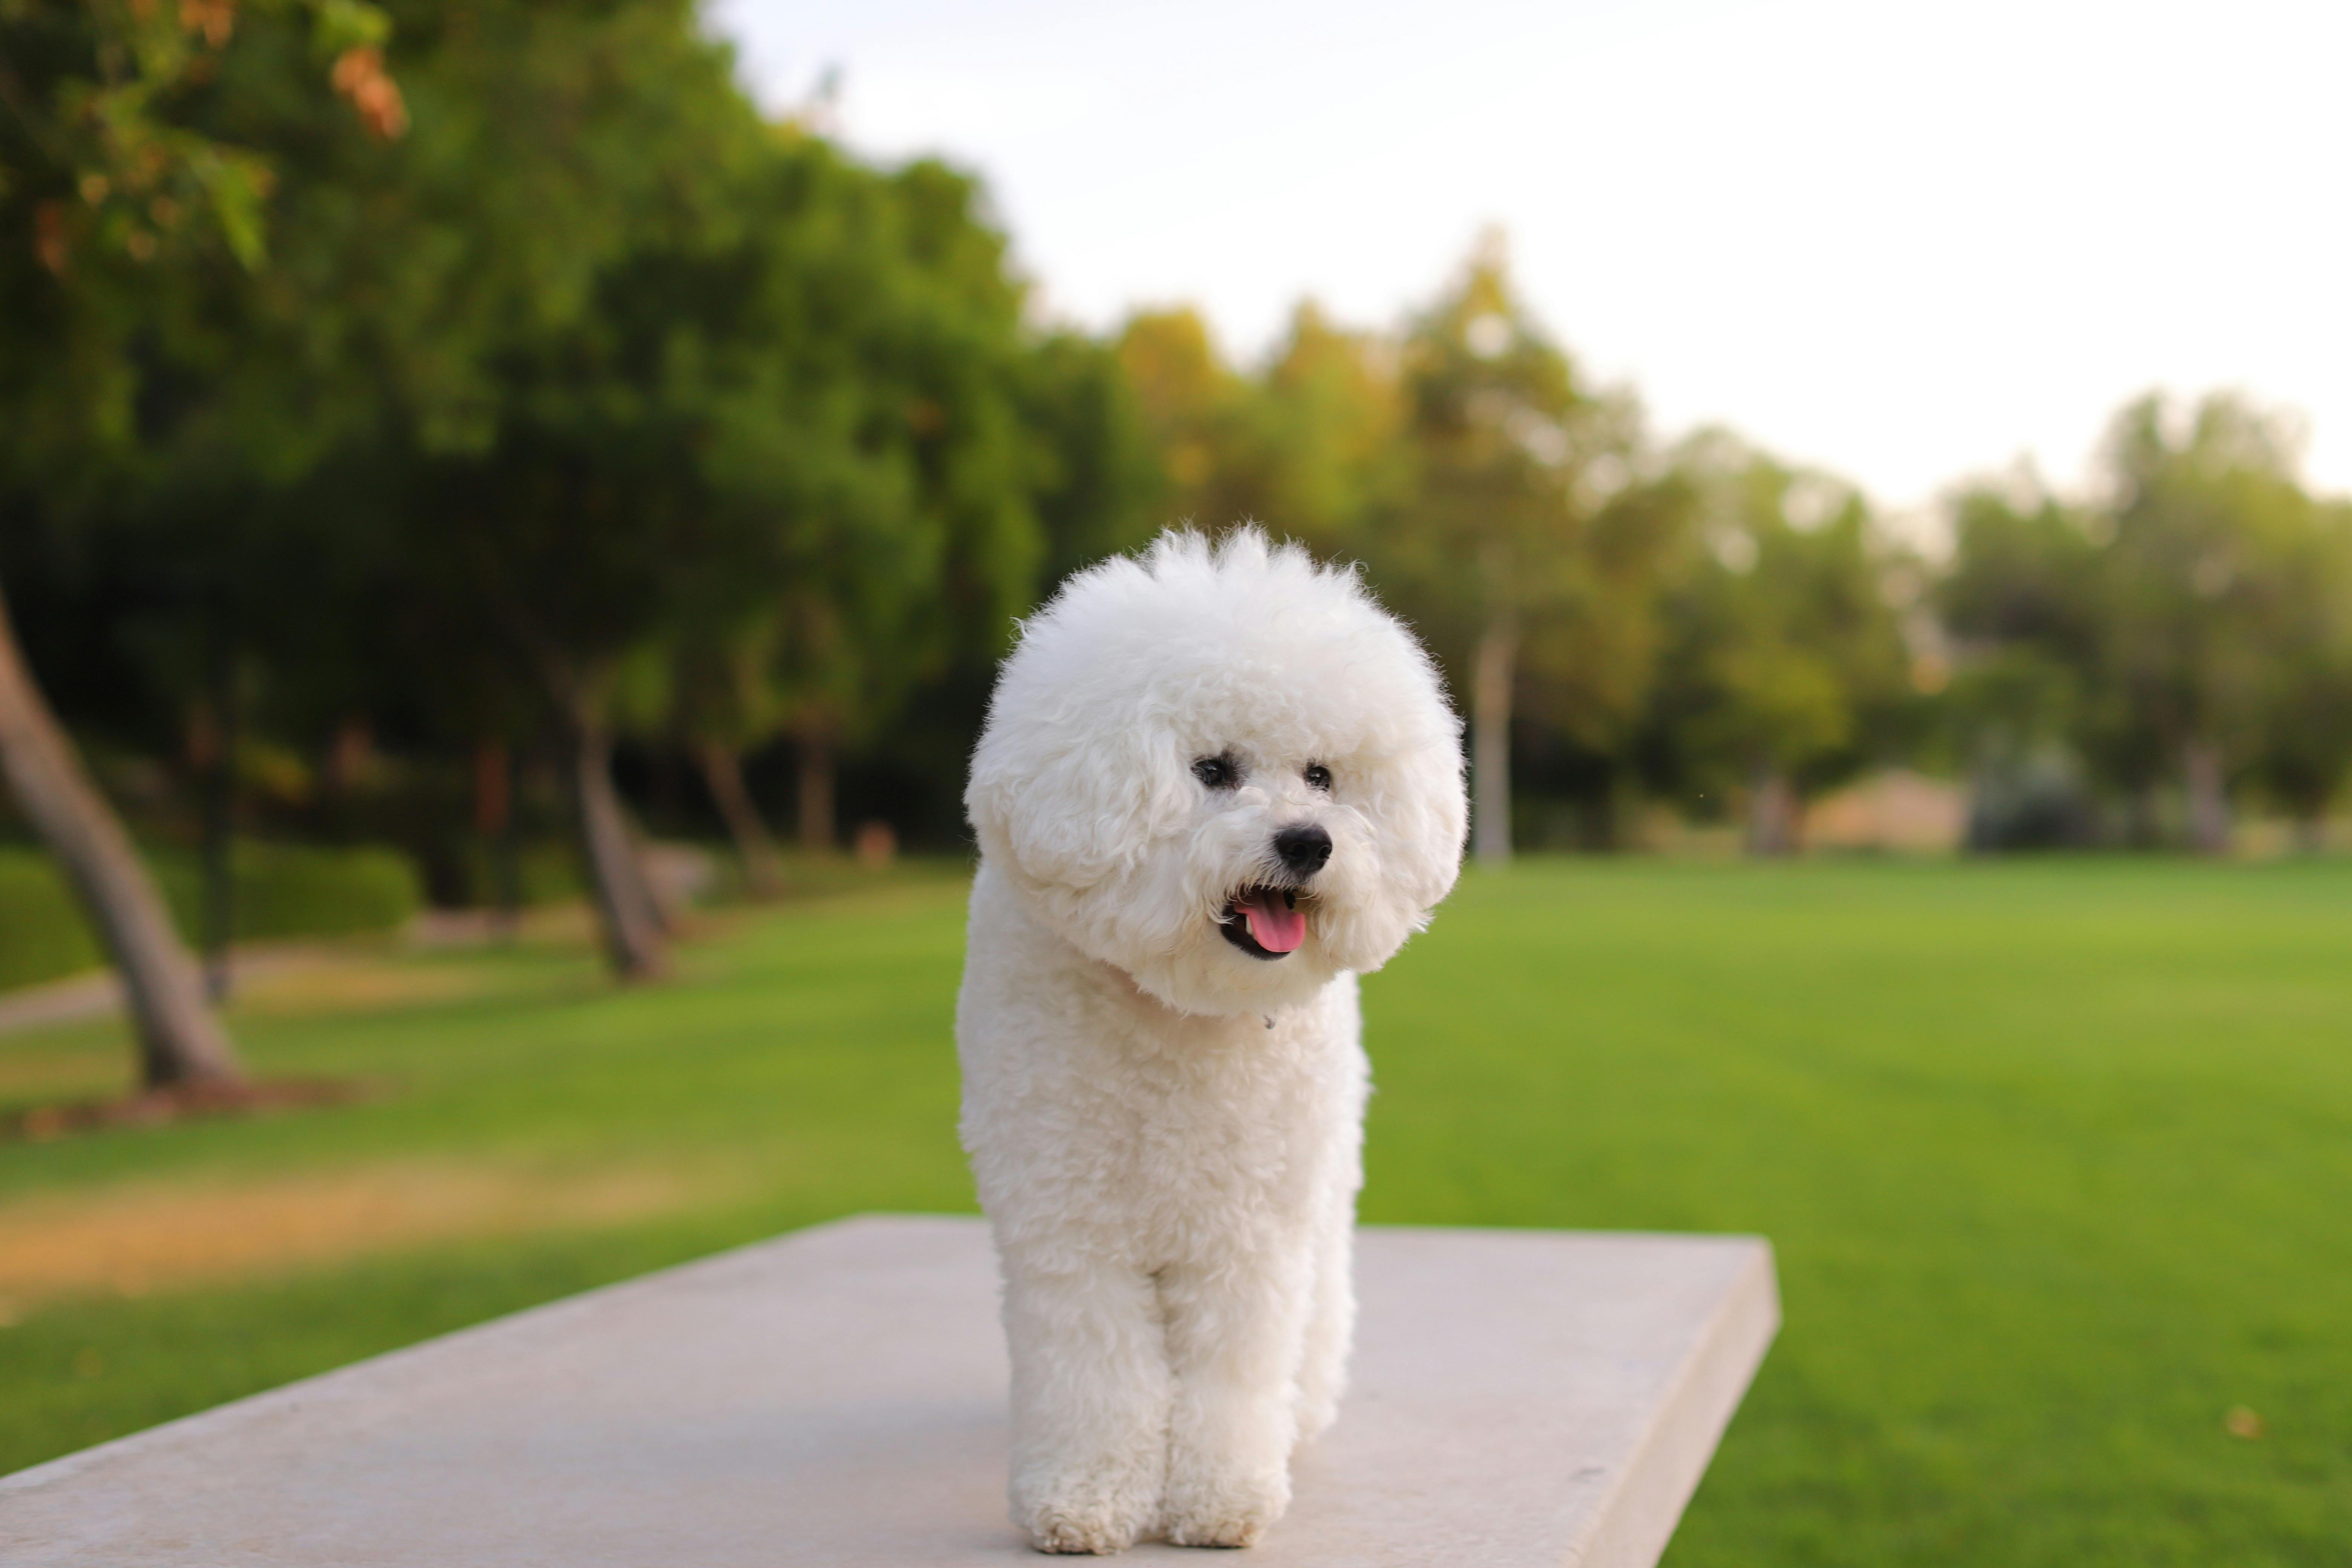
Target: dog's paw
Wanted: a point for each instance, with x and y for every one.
(1096, 1534)
(1093, 1509)
(1232, 1508)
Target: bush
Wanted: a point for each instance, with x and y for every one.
(549, 874)
(42, 933)
(298, 889)
(281, 890)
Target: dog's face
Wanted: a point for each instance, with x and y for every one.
(1230, 773)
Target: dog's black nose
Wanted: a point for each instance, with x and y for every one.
(1303, 848)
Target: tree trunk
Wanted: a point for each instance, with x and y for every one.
(1771, 812)
(723, 770)
(631, 923)
(2209, 801)
(180, 1041)
(1604, 823)
(664, 902)
(818, 831)
(216, 856)
(1490, 742)
(2143, 821)
(494, 824)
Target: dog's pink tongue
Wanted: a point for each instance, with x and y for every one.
(1271, 926)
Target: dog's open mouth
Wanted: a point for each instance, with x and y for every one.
(1264, 922)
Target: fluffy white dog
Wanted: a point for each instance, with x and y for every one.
(1214, 786)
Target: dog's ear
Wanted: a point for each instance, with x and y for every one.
(1073, 804)
(1423, 819)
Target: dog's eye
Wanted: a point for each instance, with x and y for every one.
(1319, 776)
(1220, 771)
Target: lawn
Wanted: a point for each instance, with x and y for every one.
(2057, 1156)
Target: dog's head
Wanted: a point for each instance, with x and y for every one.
(1225, 771)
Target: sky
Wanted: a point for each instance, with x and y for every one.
(1905, 243)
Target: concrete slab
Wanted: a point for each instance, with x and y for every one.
(837, 1398)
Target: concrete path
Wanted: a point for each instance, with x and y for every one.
(93, 993)
(837, 1398)
(97, 994)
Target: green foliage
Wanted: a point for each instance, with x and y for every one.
(1784, 655)
(42, 934)
(545, 873)
(1525, 518)
(922, 455)
(99, 151)
(1099, 481)
(1334, 416)
(2296, 740)
(1199, 417)
(280, 890)
(1505, 506)
(1314, 445)
(2200, 608)
(143, 152)
(300, 889)
(1728, 628)
(432, 368)
(566, 382)
(2023, 570)
(2052, 1156)
(1494, 411)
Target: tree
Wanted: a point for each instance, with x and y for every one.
(121, 209)
(1200, 416)
(2022, 601)
(721, 703)
(1508, 549)
(590, 366)
(1508, 509)
(1784, 658)
(964, 549)
(493, 362)
(1331, 410)
(2191, 623)
(2207, 520)
(924, 561)
(1100, 486)
(2300, 741)
(683, 417)
(618, 472)
(180, 1046)
(1096, 487)
(1314, 444)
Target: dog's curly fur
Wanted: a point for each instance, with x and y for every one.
(1164, 1115)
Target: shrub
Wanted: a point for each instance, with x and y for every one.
(42, 933)
(281, 890)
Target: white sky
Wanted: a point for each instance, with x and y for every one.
(1904, 242)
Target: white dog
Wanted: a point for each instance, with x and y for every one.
(1214, 786)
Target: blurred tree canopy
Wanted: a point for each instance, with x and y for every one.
(149, 380)
(2188, 628)
(421, 420)
(1517, 543)
(1785, 667)
(1704, 626)
(554, 364)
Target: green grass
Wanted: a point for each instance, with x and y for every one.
(2057, 1157)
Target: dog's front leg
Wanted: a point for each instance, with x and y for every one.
(1091, 1395)
(1235, 1337)
(1330, 1321)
